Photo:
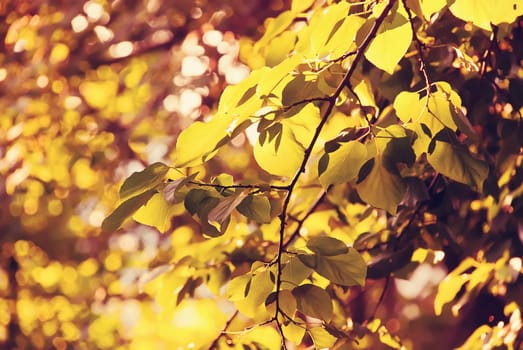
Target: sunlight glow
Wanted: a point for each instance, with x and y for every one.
(79, 23)
(93, 10)
(194, 66)
(104, 34)
(212, 38)
(122, 49)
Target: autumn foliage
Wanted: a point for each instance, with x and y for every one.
(261, 174)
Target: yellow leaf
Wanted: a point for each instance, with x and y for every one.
(267, 336)
(429, 7)
(98, 94)
(343, 164)
(199, 142)
(293, 332)
(59, 53)
(83, 175)
(321, 337)
(392, 40)
(406, 105)
(283, 155)
(275, 76)
(240, 100)
(483, 12)
(324, 24)
(155, 213)
(274, 26)
(447, 291)
(301, 5)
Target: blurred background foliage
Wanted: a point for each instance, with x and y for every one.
(92, 91)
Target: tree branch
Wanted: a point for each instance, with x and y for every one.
(308, 151)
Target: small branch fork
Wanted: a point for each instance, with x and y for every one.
(283, 244)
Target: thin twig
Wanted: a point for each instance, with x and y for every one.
(420, 47)
(380, 300)
(493, 44)
(214, 344)
(311, 210)
(254, 187)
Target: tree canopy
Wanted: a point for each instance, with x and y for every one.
(261, 175)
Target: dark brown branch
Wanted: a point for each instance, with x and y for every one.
(254, 187)
(493, 44)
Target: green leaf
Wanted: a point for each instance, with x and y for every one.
(343, 164)
(142, 181)
(381, 185)
(346, 269)
(201, 202)
(441, 108)
(313, 301)
(392, 40)
(321, 337)
(125, 210)
(294, 272)
(456, 162)
(302, 86)
(287, 302)
(381, 188)
(397, 148)
(327, 246)
(257, 208)
(193, 199)
(323, 25)
(483, 12)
